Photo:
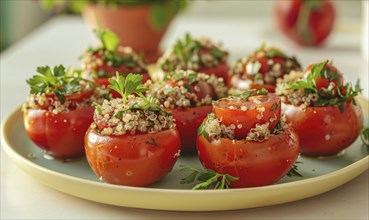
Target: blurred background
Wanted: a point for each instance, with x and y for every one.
(20, 17)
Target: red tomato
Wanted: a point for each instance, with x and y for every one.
(229, 111)
(305, 22)
(188, 120)
(133, 160)
(255, 163)
(219, 71)
(59, 135)
(325, 131)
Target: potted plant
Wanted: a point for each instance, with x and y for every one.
(140, 24)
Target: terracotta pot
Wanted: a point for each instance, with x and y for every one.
(131, 24)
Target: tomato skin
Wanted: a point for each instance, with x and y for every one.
(59, 135)
(248, 119)
(219, 71)
(312, 31)
(255, 163)
(129, 159)
(188, 120)
(325, 131)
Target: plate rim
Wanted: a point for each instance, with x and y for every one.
(352, 171)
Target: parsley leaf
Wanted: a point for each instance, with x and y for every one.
(132, 84)
(108, 39)
(209, 178)
(59, 81)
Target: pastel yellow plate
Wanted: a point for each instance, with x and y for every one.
(76, 178)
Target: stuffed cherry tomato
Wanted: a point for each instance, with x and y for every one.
(188, 96)
(103, 62)
(59, 111)
(322, 110)
(132, 140)
(243, 113)
(261, 157)
(261, 69)
(198, 54)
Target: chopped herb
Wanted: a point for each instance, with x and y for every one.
(153, 142)
(364, 136)
(119, 115)
(192, 78)
(209, 178)
(97, 107)
(187, 86)
(126, 86)
(201, 131)
(294, 170)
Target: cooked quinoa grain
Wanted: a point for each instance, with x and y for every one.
(120, 119)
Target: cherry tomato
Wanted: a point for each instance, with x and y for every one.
(305, 22)
(245, 114)
(59, 135)
(261, 69)
(188, 120)
(325, 131)
(133, 160)
(254, 163)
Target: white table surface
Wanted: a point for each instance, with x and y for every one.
(61, 41)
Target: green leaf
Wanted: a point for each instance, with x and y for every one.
(294, 170)
(209, 179)
(364, 136)
(108, 39)
(59, 70)
(216, 52)
(192, 78)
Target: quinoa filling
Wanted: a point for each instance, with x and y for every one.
(184, 90)
(193, 54)
(116, 118)
(212, 128)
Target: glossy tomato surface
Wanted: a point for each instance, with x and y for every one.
(305, 22)
(60, 135)
(188, 120)
(325, 131)
(133, 160)
(255, 163)
(219, 71)
(224, 110)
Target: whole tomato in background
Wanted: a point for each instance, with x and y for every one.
(306, 22)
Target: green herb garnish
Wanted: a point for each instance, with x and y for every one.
(132, 84)
(364, 136)
(294, 170)
(126, 86)
(209, 178)
(153, 142)
(327, 96)
(57, 81)
(108, 39)
(201, 131)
